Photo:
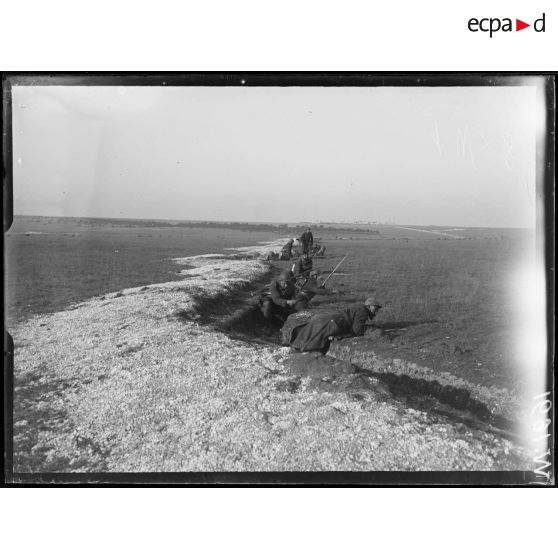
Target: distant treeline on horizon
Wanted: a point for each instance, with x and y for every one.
(243, 225)
(290, 228)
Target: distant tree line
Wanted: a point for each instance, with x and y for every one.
(282, 228)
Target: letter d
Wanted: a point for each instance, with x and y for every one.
(535, 25)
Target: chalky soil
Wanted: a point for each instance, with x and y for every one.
(157, 379)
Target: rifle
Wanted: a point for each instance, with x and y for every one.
(335, 269)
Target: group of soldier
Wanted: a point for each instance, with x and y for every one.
(306, 243)
(292, 292)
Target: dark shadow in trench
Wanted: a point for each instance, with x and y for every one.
(237, 313)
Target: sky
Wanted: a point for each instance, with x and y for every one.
(450, 156)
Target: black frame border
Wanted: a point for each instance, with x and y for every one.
(545, 224)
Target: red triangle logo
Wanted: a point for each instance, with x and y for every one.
(519, 25)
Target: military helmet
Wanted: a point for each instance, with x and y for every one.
(286, 275)
(372, 301)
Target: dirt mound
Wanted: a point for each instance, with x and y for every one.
(487, 402)
(331, 375)
(497, 408)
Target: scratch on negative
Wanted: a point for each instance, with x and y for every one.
(464, 144)
(461, 141)
(508, 157)
(472, 156)
(486, 142)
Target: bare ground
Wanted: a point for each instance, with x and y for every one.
(132, 381)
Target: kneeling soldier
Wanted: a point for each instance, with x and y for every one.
(287, 250)
(281, 301)
(303, 266)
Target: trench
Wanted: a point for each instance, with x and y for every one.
(236, 313)
(236, 309)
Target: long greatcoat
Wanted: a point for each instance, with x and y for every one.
(307, 241)
(313, 336)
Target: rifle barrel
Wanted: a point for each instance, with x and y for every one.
(335, 269)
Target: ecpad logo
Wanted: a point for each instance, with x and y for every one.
(494, 24)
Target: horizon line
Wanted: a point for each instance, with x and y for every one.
(274, 222)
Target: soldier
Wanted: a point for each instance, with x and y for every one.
(315, 248)
(303, 266)
(310, 288)
(317, 334)
(307, 241)
(319, 250)
(287, 250)
(281, 301)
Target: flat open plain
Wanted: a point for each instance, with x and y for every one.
(115, 369)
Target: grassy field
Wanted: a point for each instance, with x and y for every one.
(447, 301)
(52, 263)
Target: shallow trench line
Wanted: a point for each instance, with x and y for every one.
(502, 409)
(499, 403)
(130, 400)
